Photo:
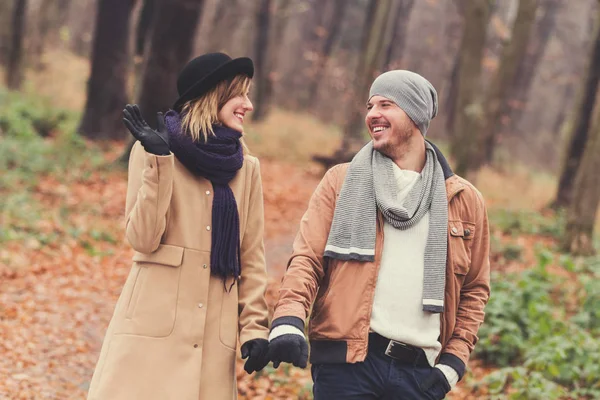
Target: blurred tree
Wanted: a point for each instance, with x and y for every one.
(512, 53)
(14, 67)
(529, 64)
(52, 18)
(82, 27)
(170, 48)
(401, 10)
(324, 36)
(581, 213)
(580, 121)
(225, 9)
(453, 32)
(142, 32)
(469, 110)
(142, 40)
(5, 16)
(261, 58)
(377, 34)
(107, 85)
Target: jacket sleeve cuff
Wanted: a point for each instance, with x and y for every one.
(453, 361)
(282, 330)
(450, 374)
(294, 321)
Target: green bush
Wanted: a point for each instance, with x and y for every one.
(26, 157)
(557, 367)
(520, 309)
(29, 116)
(515, 222)
(543, 352)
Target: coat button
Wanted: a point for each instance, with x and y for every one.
(195, 345)
(204, 266)
(208, 192)
(200, 305)
(454, 230)
(208, 228)
(467, 232)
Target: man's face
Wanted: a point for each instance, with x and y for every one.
(389, 126)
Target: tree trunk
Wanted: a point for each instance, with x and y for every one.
(469, 110)
(142, 33)
(528, 65)
(581, 214)
(169, 50)
(6, 8)
(580, 123)
(261, 56)
(377, 35)
(14, 69)
(395, 49)
(331, 30)
(512, 54)
(453, 32)
(107, 85)
(52, 17)
(452, 95)
(219, 23)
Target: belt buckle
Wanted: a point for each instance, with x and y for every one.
(404, 349)
(390, 346)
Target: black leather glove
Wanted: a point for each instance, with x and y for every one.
(290, 348)
(256, 351)
(435, 385)
(154, 141)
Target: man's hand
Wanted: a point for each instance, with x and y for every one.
(288, 344)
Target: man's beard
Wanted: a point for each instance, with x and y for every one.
(400, 145)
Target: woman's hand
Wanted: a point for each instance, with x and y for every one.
(154, 141)
(256, 351)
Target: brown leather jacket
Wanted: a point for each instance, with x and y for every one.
(343, 291)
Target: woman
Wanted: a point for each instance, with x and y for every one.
(195, 218)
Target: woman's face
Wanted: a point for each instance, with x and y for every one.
(233, 113)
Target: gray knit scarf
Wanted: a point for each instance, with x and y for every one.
(370, 185)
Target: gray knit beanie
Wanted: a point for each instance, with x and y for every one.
(411, 92)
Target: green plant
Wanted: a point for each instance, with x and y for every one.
(28, 116)
(519, 309)
(555, 368)
(515, 222)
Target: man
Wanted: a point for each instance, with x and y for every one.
(394, 318)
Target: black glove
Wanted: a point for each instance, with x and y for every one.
(290, 348)
(435, 385)
(256, 351)
(155, 142)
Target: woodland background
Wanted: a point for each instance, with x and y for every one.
(518, 83)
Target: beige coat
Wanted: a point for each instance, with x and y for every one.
(175, 328)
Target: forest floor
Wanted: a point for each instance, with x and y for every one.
(63, 257)
(63, 268)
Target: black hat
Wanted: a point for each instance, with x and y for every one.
(205, 72)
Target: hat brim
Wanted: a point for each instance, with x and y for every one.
(237, 66)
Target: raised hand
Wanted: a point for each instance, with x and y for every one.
(154, 141)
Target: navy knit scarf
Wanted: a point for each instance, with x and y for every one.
(218, 160)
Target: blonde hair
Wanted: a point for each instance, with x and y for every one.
(199, 115)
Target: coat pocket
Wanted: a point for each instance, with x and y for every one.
(460, 241)
(151, 309)
(229, 320)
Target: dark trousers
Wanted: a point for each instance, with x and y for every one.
(379, 377)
